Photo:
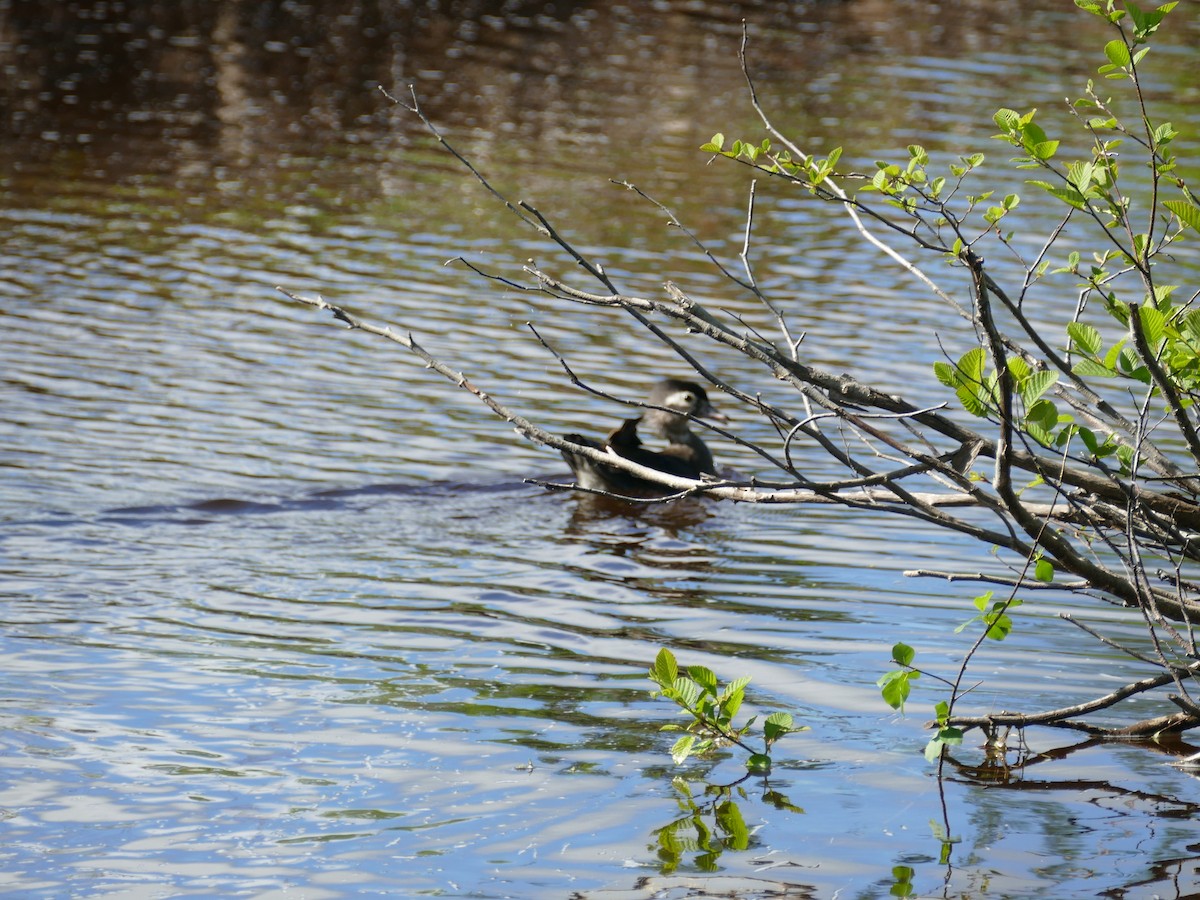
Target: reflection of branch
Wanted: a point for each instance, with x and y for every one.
(1000, 774)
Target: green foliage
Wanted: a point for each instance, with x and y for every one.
(995, 617)
(978, 390)
(712, 708)
(896, 685)
(809, 170)
(1021, 131)
(1128, 342)
(1188, 213)
(945, 736)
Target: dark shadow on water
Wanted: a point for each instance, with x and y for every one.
(590, 512)
(203, 512)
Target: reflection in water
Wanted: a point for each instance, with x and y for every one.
(279, 613)
(592, 513)
(706, 829)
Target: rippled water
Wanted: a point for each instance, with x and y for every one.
(280, 613)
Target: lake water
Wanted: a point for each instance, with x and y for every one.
(281, 615)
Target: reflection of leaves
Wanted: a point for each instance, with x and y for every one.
(902, 881)
(730, 821)
(672, 844)
(780, 801)
(710, 827)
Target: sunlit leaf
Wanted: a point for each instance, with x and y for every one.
(665, 668)
(1044, 414)
(682, 748)
(1036, 384)
(1044, 571)
(946, 374)
(759, 763)
(1153, 325)
(1188, 213)
(1090, 369)
(1084, 337)
(1117, 53)
(705, 677)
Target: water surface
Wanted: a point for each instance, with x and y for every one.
(280, 611)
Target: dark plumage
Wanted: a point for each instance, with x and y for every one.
(684, 455)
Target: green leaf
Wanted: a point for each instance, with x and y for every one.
(946, 374)
(780, 719)
(1067, 195)
(1089, 440)
(1007, 120)
(971, 365)
(1044, 414)
(682, 748)
(1036, 384)
(776, 726)
(1087, 368)
(1043, 150)
(732, 702)
(705, 677)
(1085, 338)
(941, 711)
(895, 686)
(1117, 53)
(759, 764)
(665, 668)
(1043, 571)
(903, 654)
(1187, 213)
(737, 686)
(946, 736)
(933, 750)
(950, 736)
(1153, 325)
(1162, 296)
(973, 400)
(999, 627)
(686, 691)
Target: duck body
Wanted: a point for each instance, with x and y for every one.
(684, 455)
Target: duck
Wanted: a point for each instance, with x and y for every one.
(671, 400)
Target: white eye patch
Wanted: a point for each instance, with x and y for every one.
(683, 400)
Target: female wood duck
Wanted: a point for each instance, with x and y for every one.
(684, 455)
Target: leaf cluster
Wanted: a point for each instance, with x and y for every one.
(712, 708)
